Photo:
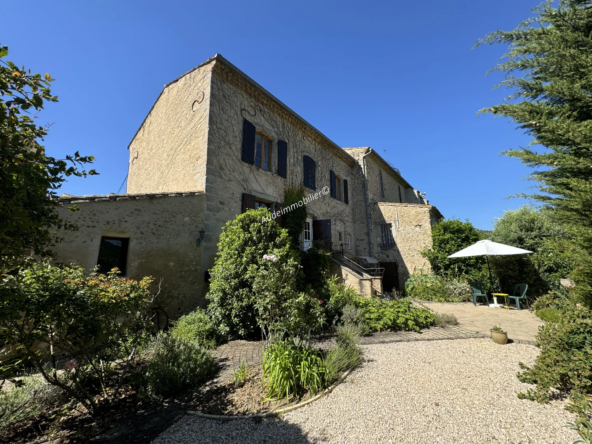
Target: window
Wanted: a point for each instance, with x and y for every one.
(381, 184)
(386, 236)
(338, 188)
(309, 168)
(307, 235)
(347, 242)
(261, 204)
(263, 151)
(113, 253)
(340, 237)
(400, 195)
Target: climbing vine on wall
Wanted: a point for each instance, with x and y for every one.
(295, 218)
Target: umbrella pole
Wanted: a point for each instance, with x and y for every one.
(490, 277)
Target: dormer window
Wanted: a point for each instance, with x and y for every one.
(263, 151)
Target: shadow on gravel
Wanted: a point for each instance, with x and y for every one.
(192, 429)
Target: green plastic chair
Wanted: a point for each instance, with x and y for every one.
(478, 293)
(519, 294)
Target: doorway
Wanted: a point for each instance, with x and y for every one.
(390, 278)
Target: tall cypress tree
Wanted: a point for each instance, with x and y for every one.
(549, 69)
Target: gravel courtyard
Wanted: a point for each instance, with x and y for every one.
(460, 391)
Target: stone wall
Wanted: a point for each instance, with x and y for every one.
(162, 232)
(392, 182)
(366, 286)
(233, 99)
(168, 153)
(411, 230)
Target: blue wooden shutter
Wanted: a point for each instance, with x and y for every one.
(333, 187)
(248, 202)
(248, 142)
(309, 172)
(345, 192)
(282, 167)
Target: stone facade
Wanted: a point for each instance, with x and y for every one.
(234, 99)
(411, 229)
(191, 141)
(168, 152)
(162, 230)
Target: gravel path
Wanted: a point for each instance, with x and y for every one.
(461, 391)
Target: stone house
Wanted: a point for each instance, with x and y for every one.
(215, 144)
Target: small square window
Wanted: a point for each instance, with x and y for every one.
(113, 253)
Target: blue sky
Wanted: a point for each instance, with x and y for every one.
(398, 76)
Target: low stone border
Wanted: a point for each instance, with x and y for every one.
(275, 412)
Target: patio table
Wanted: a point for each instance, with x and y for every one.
(495, 303)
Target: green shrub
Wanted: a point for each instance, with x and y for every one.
(346, 355)
(93, 320)
(291, 370)
(429, 287)
(378, 314)
(280, 310)
(315, 270)
(21, 402)
(553, 299)
(549, 314)
(294, 219)
(445, 319)
(198, 327)
(383, 315)
(582, 406)
(177, 364)
(339, 296)
(565, 361)
(243, 244)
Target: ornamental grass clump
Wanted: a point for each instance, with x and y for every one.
(22, 401)
(346, 355)
(291, 370)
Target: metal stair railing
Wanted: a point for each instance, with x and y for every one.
(348, 262)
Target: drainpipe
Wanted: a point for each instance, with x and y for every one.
(366, 200)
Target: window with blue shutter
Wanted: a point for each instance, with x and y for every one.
(282, 167)
(249, 132)
(309, 167)
(333, 184)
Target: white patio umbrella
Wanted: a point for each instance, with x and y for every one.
(488, 248)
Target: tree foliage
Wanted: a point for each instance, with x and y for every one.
(565, 361)
(280, 309)
(90, 320)
(548, 70)
(448, 237)
(532, 230)
(243, 244)
(29, 179)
